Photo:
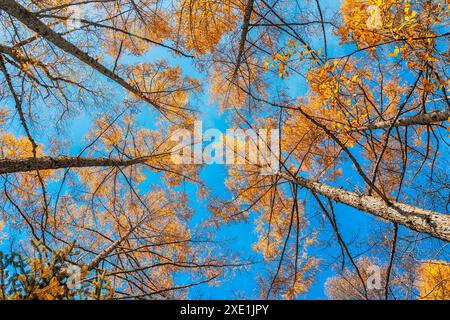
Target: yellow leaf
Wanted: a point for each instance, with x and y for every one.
(395, 53)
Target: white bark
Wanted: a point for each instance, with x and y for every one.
(429, 118)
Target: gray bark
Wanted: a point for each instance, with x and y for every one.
(426, 221)
(27, 18)
(421, 119)
(52, 163)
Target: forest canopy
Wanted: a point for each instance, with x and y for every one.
(93, 92)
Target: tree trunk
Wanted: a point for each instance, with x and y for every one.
(105, 253)
(421, 119)
(426, 221)
(49, 163)
(27, 18)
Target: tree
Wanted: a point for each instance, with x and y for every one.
(140, 244)
(357, 109)
(429, 281)
(372, 111)
(354, 285)
(46, 276)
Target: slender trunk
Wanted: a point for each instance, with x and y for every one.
(426, 221)
(421, 119)
(104, 254)
(245, 28)
(27, 18)
(51, 163)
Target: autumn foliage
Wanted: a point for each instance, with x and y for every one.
(91, 93)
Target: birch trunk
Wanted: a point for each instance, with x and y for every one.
(52, 163)
(28, 19)
(426, 221)
(421, 119)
